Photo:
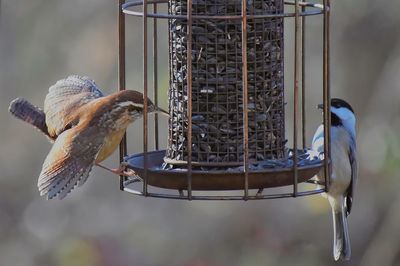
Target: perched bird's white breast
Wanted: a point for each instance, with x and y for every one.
(341, 168)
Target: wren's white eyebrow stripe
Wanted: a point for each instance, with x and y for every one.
(138, 105)
(125, 104)
(130, 103)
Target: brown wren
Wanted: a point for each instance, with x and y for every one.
(85, 126)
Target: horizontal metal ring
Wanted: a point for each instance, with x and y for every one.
(261, 197)
(319, 9)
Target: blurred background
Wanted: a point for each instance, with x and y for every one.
(46, 40)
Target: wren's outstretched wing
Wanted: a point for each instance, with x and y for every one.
(29, 113)
(69, 162)
(66, 96)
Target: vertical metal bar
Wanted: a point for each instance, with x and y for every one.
(297, 51)
(121, 78)
(155, 76)
(145, 97)
(189, 92)
(326, 97)
(328, 84)
(245, 101)
(303, 77)
(170, 76)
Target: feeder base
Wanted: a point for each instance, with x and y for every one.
(213, 179)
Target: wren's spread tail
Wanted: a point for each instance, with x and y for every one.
(86, 128)
(29, 113)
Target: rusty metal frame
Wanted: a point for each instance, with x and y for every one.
(303, 78)
(245, 101)
(121, 78)
(299, 16)
(296, 93)
(155, 78)
(145, 97)
(189, 104)
(326, 94)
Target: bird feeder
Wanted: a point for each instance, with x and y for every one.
(226, 94)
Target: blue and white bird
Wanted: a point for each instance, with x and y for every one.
(344, 171)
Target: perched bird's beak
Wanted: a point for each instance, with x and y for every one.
(162, 111)
(320, 106)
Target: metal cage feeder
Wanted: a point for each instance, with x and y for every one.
(226, 99)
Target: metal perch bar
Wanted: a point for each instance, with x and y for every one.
(121, 80)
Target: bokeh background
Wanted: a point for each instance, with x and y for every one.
(42, 41)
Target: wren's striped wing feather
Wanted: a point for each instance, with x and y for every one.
(69, 162)
(66, 96)
(29, 113)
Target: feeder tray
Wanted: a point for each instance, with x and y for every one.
(216, 179)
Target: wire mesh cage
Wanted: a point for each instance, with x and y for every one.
(226, 99)
(217, 84)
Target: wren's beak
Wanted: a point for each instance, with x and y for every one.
(162, 111)
(320, 106)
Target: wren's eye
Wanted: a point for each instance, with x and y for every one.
(132, 108)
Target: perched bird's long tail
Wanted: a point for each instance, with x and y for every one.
(341, 240)
(29, 113)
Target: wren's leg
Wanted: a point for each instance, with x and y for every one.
(129, 173)
(121, 170)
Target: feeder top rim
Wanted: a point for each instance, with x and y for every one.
(317, 10)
